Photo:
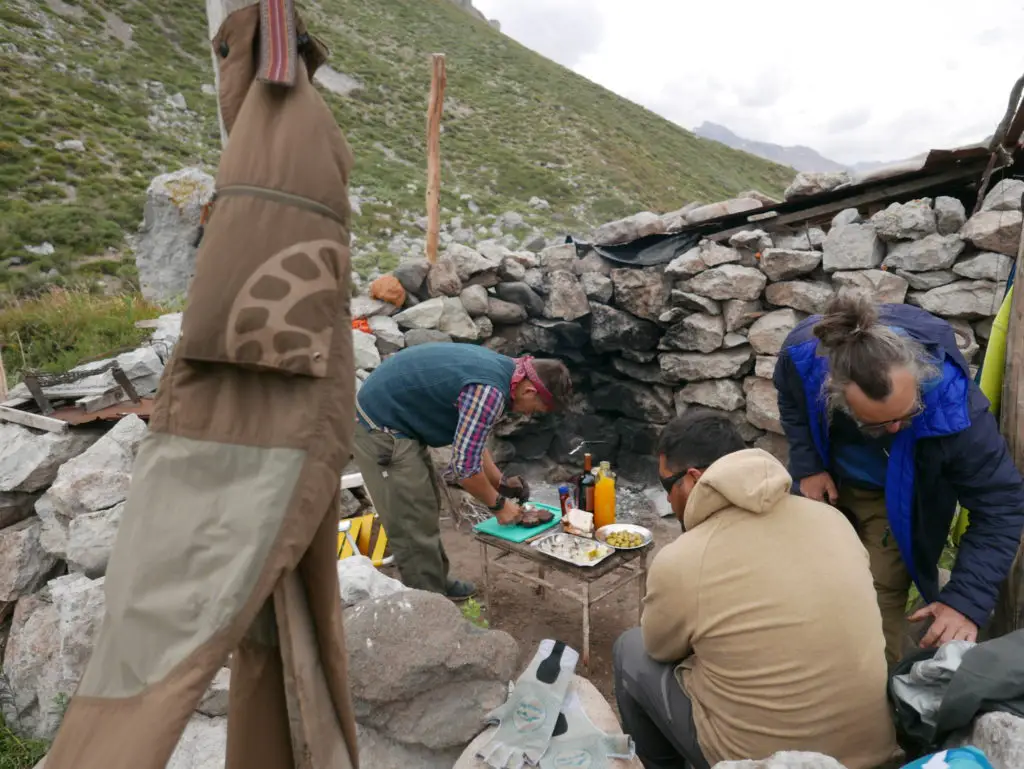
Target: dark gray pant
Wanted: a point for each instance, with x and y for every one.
(654, 708)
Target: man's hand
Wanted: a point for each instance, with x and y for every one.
(947, 625)
(514, 486)
(509, 514)
(820, 488)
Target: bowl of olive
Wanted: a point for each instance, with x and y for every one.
(624, 536)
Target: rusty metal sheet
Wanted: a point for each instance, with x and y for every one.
(75, 415)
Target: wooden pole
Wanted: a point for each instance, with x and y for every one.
(216, 12)
(438, 80)
(3, 377)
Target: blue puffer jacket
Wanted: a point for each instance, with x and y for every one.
(952, 452)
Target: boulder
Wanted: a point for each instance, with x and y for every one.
(734, 340)
(723, 394)
(912, 220)
(965, 338)
(784, 264)
(740, 313)
(627, 230)
(474, 299)
(715, 255)
(933, 252)
(591, 262)
(24, 563)
(203, 744)
(471, 265)
(214, 704)
(412, 274)
(524, 296)
(806, 296)
(566, 299)
(950, 215)
(365, 307)
(50, 643)
(421, 674)
(29, 460)
(597, 287)
(642, 372)
(638, 356)
(484, 327)
(1005, 195)
(762, 404)
(926, 281)
(847, 216)
(643, 293)
(985, 266)
(631, 399)
(511, 270)
(686, 265)
(697, 332)
(852, 247)
(96, 480)
(971, 299)
(730, 281)
(785, 759)
(679, 367)
(504, 313)
(387, 288)
(165, 254)
(389, 336)
(455, 321)
(722, 208)
(694, 303)
(425, 315)
(674, 221)
(165, 335)
(764, 366)
(91, 538)
(751, 240)
(806, 239)
(364, 347)
(880, 285)
(561, 257)
(15, 507)
(997, 231)
(1000, 736)
(769, 332)
(612, 329)
(360, 581)
(443, 278)
(553, 336)
(807, 184)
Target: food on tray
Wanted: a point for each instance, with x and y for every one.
(535, 516)
(580, 523)
(574, 549)
(624, 539)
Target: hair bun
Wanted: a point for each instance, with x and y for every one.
(848, 319)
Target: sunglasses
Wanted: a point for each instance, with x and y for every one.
(670, 483)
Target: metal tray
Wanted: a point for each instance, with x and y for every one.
(601, 535)
(544, 545)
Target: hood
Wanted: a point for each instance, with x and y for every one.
(752, 480)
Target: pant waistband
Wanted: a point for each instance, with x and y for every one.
(364, 419)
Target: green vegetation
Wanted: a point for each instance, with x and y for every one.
(17, 752)
(516, 125)
(471, 610)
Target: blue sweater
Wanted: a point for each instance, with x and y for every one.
(416, 390)
(952, 452)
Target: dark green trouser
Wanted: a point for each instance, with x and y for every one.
(399, 476)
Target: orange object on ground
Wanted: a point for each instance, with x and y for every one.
(387, 289)
(361, 324)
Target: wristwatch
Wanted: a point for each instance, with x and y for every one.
(499, 503)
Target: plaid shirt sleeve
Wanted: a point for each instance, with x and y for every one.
(479, 408)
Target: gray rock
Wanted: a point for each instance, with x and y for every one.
(364, 346)
(933, 252)
(638, 356)
(785, 759)
(926, 281)
(535, 280)
(751, 240)
(686, 265)
(412, 274)
(165, 255)
(1000, 736)
(553, 336)
(997, 231)
(949, 215)
(474, 299)
(782, 264)
(965, 339)
(422, 674)
(740, 313)
(390, 338)
(985, 266)
(671, 315)
(381, 752)
(511, 270)
(612, 329)
(806, 239)
(674, 221)
(597, 287)
(471, 264)
(455, 321)
(730, 281)
(806, 296)
(96, 480)
(50, 643)
(912, 220)
(535, 242)
(443, 278)
(1005, 195)
(681, 367)
(214, 703)
(971, 299)
(632, 399)
(91, 539)
(504, 313)
(15, 506)
(24, 563)
(762, 404)
(715, 255)
(425, 336)
(642, 372)
(724, 394)
(141, 365)
(562, 257)
(694, 302)
(776, 445)
(510, 220)
(881, 285)
(360, 581)
(847, 216)
(764, 366)
(165, 335)
(591, 262)
(365, 307)
(566, 299)
(723, 208)
(485, 327)
(524, 296)
(643, 293)
(627, 230)
(203, 744)
(697, 332)
(425, 315)
(806, 184)
(733, 340)
(29, 460)
(496, 252)
(527, 259)
(769, 332)
(852, 247)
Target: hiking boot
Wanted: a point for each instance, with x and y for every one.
(459, 590)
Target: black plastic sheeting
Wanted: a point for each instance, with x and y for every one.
(644, 252)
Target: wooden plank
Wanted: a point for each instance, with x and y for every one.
(3, 378)
(35, 421)
(95, 403)
(438, 81)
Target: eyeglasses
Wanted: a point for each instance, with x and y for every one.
(670, 483)
(879, 428)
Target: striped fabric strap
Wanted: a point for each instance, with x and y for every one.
(278, 43)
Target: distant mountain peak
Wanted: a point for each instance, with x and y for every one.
(798, 157)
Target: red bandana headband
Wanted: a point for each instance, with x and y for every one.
(525, 370)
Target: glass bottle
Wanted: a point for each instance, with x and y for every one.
(585, 497)
(604, 497)
(563, 500)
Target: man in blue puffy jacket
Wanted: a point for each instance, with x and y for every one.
(884, 419)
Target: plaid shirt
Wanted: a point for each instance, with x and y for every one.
(480, 406)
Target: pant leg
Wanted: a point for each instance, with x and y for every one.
(654, 709)
(398, 476)
(891, 578)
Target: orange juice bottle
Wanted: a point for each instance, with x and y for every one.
(604, 497)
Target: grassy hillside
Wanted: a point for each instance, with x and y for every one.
(131, 80)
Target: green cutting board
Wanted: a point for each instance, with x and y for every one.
(518, 533)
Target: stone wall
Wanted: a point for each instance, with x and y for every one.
(645, 344)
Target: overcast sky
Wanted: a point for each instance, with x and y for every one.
(872, 80)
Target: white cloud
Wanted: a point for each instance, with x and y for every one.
(877, 80)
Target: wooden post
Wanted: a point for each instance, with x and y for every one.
(3, 377)
(438, 81)
(216, 12)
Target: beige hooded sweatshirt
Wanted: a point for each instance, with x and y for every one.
(768, 601)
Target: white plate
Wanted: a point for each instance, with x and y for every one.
(602, 534)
